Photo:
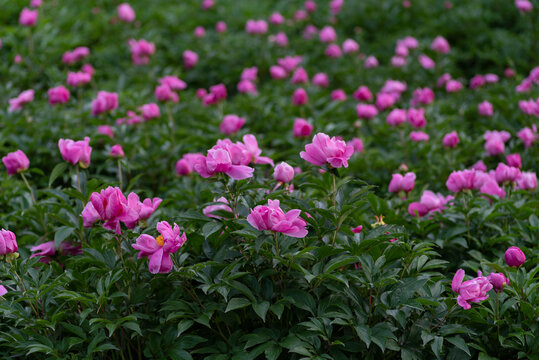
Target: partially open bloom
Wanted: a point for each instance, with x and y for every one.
(158, 249)
(327, 34)
(485, 109)
(184, 166)
(8, 242)
(524, 6)
(299, 97)
(366, 111)
(363, 93)
(231, 124)
(16, 162)
(218, 160)
(426, 62)
(125, 12)
(273, 218)
(371, 62)
(528, 136)
(453, 86)
(48, 249)
(451, 140)
(474, 290)
(3, 290)
(17, 103)
(256, 27)
(28, 17)
(106, 130)
(461, 180)
(514, 257)
(216, 94)
(58, 95)
(514, 160)
(199, 32)
(104, 102)
(402, 184)
(419, 136)
(384, 101)
(150, 111)
(338, 95)
(422, 96)
(324, 150)
(350, 46)
(491, 187)
(506, 174)
(283, 172)
(527, 181)
(416, 117)
(117, 151)
(357, 144)
(440, 45)
(495, 141)
(357, 229)
(220, 27)
(320, 79)
(77, 54)
(164, 93)
(429, 203)
(76, 152)
(302, 128)
(141, 51)
(498, 281)
(190, 59)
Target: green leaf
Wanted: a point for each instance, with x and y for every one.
(436, 346)
(364, 333)
(211, 228)
(261, 309)
(184, 325)
(61, 234)
(57, 171)
(133, 326)
(459, 343)
(237, 303)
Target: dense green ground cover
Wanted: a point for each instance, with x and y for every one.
(235, 292)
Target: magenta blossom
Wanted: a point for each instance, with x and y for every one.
(506, 174)
(16, 162)
(498, 281)
(366, 111)
(231, 124)
(460, 180)
(141, 51)
(219, 161)
(47, 250)
(419, 136)
(299, 97)
(8, 242)
(283, 172)
(190, 59)
(302, 128)
(158, 249)
(416, 117)
(429, 203)
(125, 12)
(273, 218)
(451, 140)
(116, 151)
(76, 152)
(440, 45)
(474, 290)
(77, 54)
(78, 78)
(527, 181)
(58, 95)
(495, 141)
(401, 183)
(28, 17)
(363, 93)
(528, 136)
(150, 111)
(514, 257)
(208, 210)
(173, 82)
(324, 150)
(104, 102)
(184, 166)
(17, 103)
(485, 108)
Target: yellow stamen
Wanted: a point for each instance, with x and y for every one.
(160, 241)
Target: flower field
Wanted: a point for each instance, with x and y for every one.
(288, 179)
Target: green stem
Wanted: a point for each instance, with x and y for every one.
(78, 178)
(170, 123)
(29, 188)
(276, 244)
(120, 173)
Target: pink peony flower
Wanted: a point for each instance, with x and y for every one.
(300, 76)
(28, 17)
(474, 290)
(17, 103)
(321, 80)
(401, 183)
(440, 44)
(460, 180)
(371, 62)
(220, 27)
(350, 46)
(357, 229)
(106, 130)
(363, 94)
(125, 12)
(276, 19)
(219, 161)
(333, 51)
(173, 82)
(451, 140)
(498, 281)
(384, 101)
(527, 181)
(366, 111)
(426, 62)
(485, 109)
(16, 162)
(327, 34)
(278, 72)
(453, 86)
(273, 218)
(429, 203)
(208, 210)
(141, 51)
(479, 166)
(150, 111)
(324, 150)
(419, 136)
(231, 124)
(338, 95)
(422, 96)
(158, 249)
(416, 117)
(256, 27)
(396, 117)
(8, 242)
(78, 78)
(289, 63)
(190, 59)
(524, 6)
(164, 93)
(199, 32)
(357, 144)
(104, 102)
(310, 6)
(184, 166)
(495, 141)
(299, 97)
(58, 95)
(302, 128)
(514, 160)
(528, 136)
(514, 257)
(283, 172)
(506, 174)
(79, 53)
(250, 74)
(491, 187)
(117, 151)
(76, 152)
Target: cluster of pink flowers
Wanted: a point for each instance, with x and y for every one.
(247, 81)
(402, 184)
(104, 102)
(216, 94)
(77, 54)
(273, 218)
(256, 27)
(47, 250)
(112, 207)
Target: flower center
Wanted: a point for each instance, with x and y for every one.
(160, 241)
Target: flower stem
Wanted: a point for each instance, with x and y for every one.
(170, 123)
(276, 244)
(120, 173)
(78, 178)
(29, 188)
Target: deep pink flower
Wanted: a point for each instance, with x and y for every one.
(299, 97)
(273, 218)
(289, 63)
(283, 172)
(141, 51)
(310, 6)
(173, 82)
(495, 141)
(514, 257)
(302, 128)
(528, 136)
(8, 242)
(190, 59)
(231, 124)
(104, 102)
(419, 136)
(384, 101)
(524, 6)
(485, 109)
(357, 229)
(45, 251)
(324, 150)
(338, 95)
(460, 180)
(16, 162)
(350, 46)
(371, 62)
(256, 27)
(199, 32)
(220, 27)
(514, 160)
(28, 17)
(426, 62)
(158, 249)
(491, 187)
(396, 117)
(150, 111)
(440, 45)
(125, 12)
(78, 78)
(451, 139)
(117, 151)
(363, 94)
(184, 166)
(422, 96)
(77, 54)
(17, 103)
(498, 281)
(58, 95)
(506, 174)
(401, 183)
(453, 86)
(278, 72)
(416, 117)
(333, 51)
(527, 181)
(76, 152)
(327, 34)
(474, 290)
(219, 161)
(477, 81)
(366, 111)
